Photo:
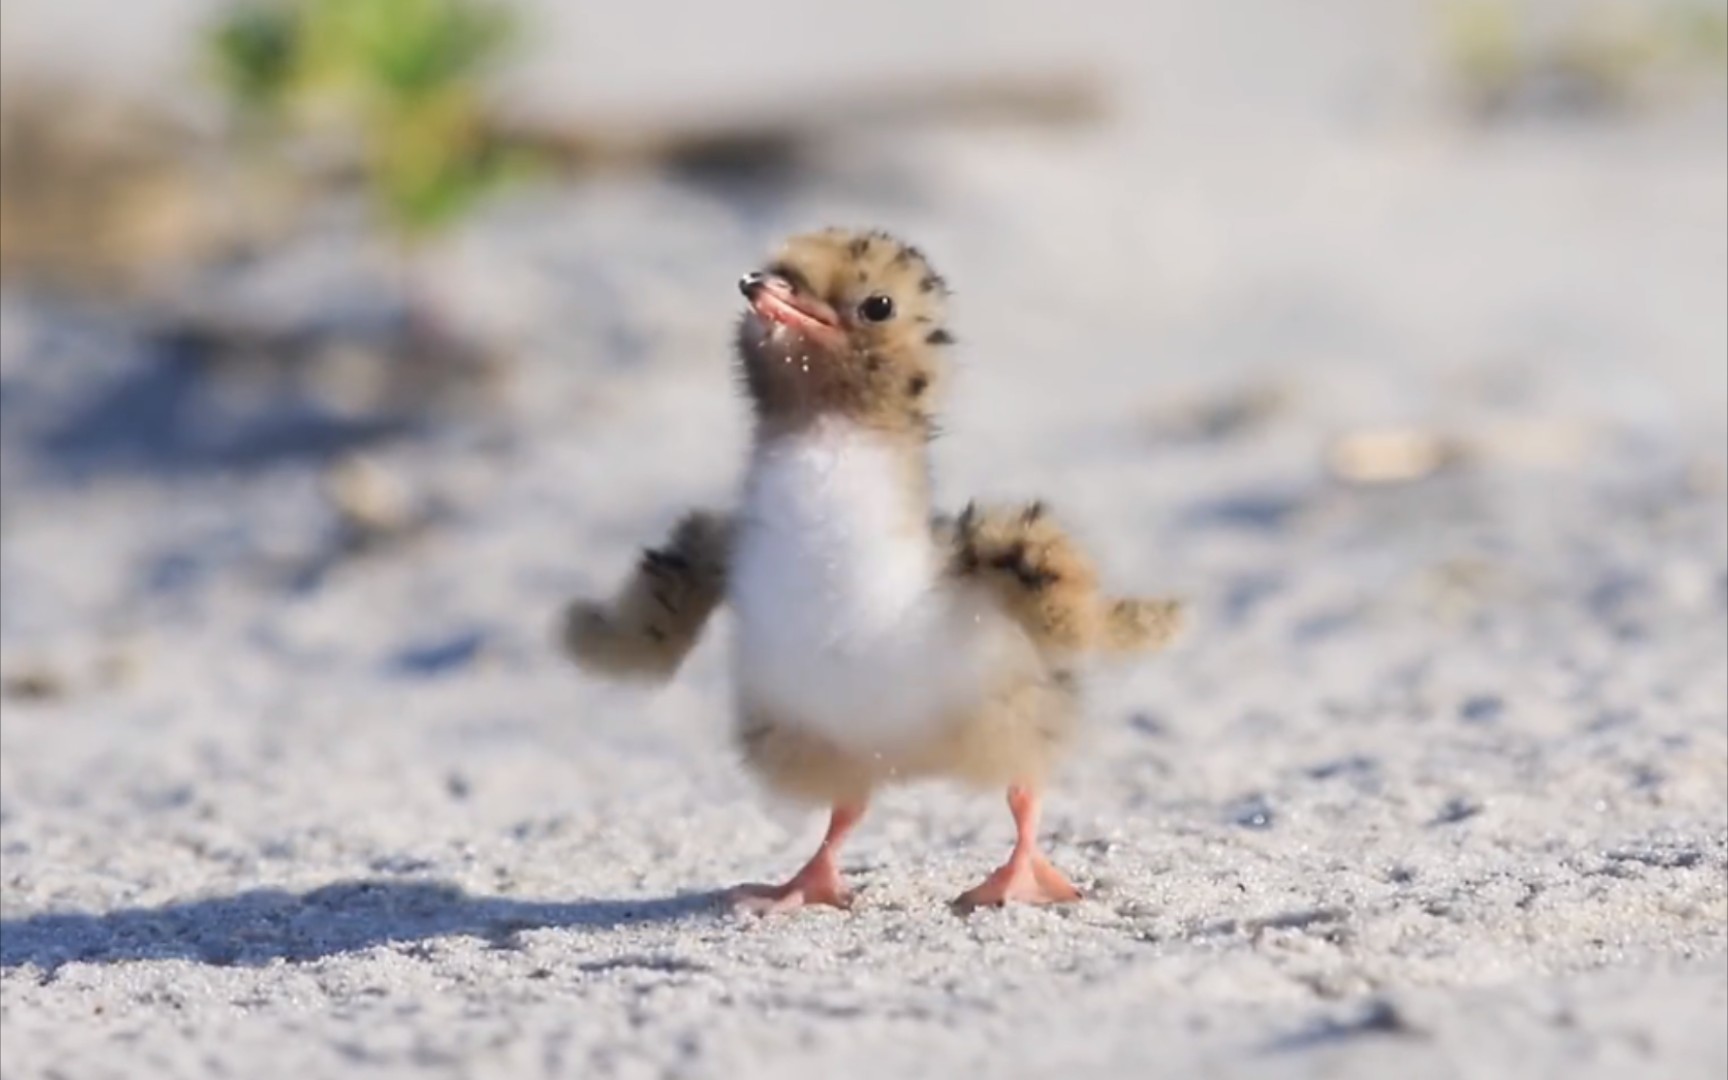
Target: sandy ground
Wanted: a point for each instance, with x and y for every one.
(1437, 786)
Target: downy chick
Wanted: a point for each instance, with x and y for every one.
(875, 641)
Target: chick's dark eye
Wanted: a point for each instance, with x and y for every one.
(877, 308)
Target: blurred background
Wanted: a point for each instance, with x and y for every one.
(296, 290)
(342, 341)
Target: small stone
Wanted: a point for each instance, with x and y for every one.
(36, 682)
(370, 499)
(1252, 812)
(1481, 708)
(1389, 455)
(1456, 809)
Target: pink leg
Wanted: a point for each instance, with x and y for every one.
(817, 883)
(1027, 877)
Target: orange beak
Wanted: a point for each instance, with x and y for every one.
(777, 303)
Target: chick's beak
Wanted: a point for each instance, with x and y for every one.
(778, 303)
(752, 283)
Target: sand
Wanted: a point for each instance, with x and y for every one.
(1436, 786)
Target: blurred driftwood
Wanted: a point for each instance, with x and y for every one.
(103, 194)
(1058, 99)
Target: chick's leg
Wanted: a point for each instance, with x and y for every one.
(1027, 877)
(819, 880)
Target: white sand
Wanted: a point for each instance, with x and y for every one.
(1438, 786)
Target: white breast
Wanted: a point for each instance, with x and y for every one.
(842, 623)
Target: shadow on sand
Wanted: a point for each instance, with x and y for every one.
(268, 924)
(166, 414)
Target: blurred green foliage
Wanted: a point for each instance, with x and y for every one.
(255, 51)
(403, 79)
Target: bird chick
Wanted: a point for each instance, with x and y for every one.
(876, 642)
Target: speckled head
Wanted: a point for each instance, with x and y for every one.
(846, 323)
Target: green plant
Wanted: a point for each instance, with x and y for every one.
(1480, 38)
(404, 79)
(1606, 51)
(255, 53)
(1701, 29)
